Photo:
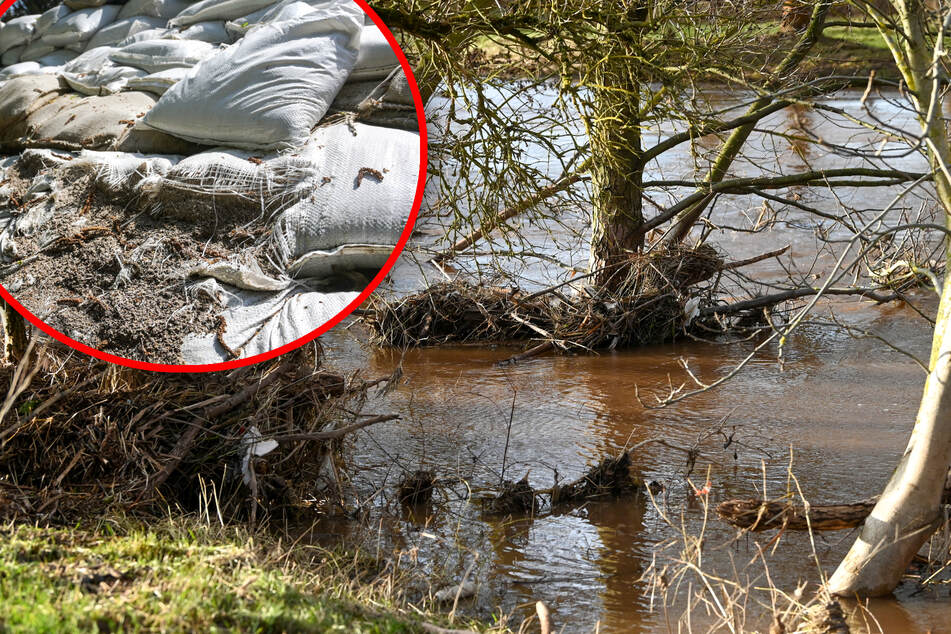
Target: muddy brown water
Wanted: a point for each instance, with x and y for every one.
(836, 413)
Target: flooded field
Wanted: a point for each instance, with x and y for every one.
(835, 412)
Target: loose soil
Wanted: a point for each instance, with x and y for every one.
(112, 276)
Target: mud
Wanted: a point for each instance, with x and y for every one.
(111, 276)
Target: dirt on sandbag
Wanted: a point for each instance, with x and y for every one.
(105, 273)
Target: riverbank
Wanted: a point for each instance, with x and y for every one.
(183, 574)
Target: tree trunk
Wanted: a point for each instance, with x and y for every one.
(616, 177)
(909, 508)
(14, 333)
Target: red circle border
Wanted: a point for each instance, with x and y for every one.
(325, 327)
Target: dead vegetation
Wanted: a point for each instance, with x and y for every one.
(78, 437)
(645, 306)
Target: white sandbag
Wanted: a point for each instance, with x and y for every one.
(80, 26)
(49, 18)
(147, 36)
(217, 10)
(35, 50)
(165, 9)
(156, 55)
(106, 80)
(270, 89)
(377, 59)
(18, 70)
(255, 323)
(213, 32)
(157, 83)
(119, 31)
(362, 194)
(284, 10)
(84, 4)
(17, 32)
(54, 62)
(12, 56)
(90, 61)
(120, 172)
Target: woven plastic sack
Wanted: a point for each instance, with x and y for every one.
(278, 12)
(217, 10)
(213, 32)
(121, 30)
(80, 26)
(105, 80)
(255, 323)
(147, 36)
(362, 194)
(165, 9)
(12, 56)
(20, 69)
(35, 50)
(54, 62)
(377, 58)
(156, 55)
(270, 89)
(49, 18)
(90, 61)
(157, 83)
(17, 32)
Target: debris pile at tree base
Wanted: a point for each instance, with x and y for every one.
(612, 477)
(645, 306)
(79, 437)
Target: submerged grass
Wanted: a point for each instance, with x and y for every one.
(182, 575)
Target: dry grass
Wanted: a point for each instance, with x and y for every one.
(78, 437)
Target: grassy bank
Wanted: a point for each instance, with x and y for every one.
(184, 576)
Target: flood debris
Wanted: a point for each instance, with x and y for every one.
(79, 438)
(513, 498)
(612, 477)
(646, 305)
(416, 488)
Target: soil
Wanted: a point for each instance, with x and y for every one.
(112, 276)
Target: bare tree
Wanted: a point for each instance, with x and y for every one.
(909, 508)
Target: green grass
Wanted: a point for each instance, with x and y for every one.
(862, 37)
(179, 577)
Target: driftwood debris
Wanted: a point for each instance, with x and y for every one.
(760, 515)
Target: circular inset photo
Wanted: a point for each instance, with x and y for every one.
(202, 185)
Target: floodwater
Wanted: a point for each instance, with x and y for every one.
(834, 412)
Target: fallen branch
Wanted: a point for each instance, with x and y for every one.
(336, 434)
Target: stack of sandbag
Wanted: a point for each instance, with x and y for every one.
(310, 116)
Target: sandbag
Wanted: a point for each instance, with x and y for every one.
(255, 323)
(156, 55)
(217, 10)
(284, 10)
(213, 32)
(17, 32)
(158, 83)
(164, 9)
(49, 18)
(12, 56)
(20, 69)
(90, 61)
(90, 122)
(362, 194)
(119, 31)
(80, 26)
(106, 80)
(270, 89)
(377, 59)
(54, 62)
(146, 36)
(22, 96)
(35, 50)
